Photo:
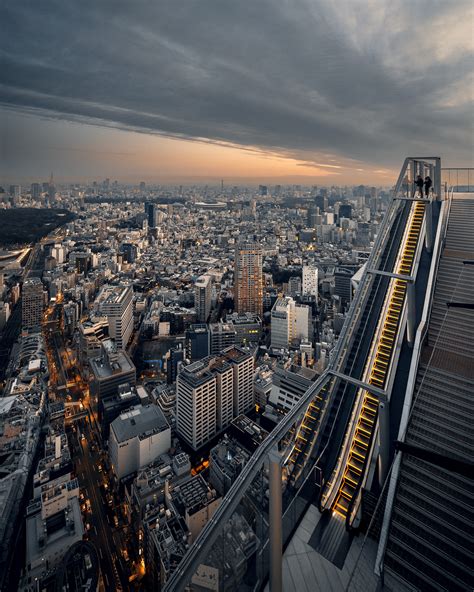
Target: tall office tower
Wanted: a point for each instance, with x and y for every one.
(243, 368)
(321, 201)
(51, 188)
(345, 210)
(310, 281)
(32, 303)
(154, 215)
(248, 278)
(202, 297)
(289, 321)
(142, 186)
(313, 213)
(196, 404)
(149, 211)
(15, 191)
(116, 303)
(35, 190)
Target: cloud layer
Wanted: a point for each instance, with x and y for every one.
(317, 80)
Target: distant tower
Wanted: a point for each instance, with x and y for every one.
(35, 190)
(32, 304)
(202, 297)
(248, 278)
(51, 188)
(222, 184)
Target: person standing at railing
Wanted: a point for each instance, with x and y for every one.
(419, 184)
(428, 184)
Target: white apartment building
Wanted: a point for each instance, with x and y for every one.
(211, 392)
(289, 321)
(310, 281)
(116, 303)
(203, 297)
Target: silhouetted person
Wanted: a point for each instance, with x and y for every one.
(419, 184)
(428, 184)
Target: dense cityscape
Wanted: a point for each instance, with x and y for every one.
(236, 296)
(177, 323)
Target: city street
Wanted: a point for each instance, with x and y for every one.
(100, 532)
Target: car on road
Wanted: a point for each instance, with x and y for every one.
(116, 522)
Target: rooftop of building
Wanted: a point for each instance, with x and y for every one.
(103, 369)
(140, 421)
(193, 494)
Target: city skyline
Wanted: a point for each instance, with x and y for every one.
(306, 92)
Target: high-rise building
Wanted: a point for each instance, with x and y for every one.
(342, 283)
(15, 191)
(313, 213)
(310, 281)
(345, 210)
(211, 392)
(32, 303)
(289, 321)
(243, 367)
(203, 297)
(321, 201)
(154, 215)
(196, 404)
(116, 303)
(248, 278)
(35, 190)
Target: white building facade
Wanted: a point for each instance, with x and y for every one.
(310, 281)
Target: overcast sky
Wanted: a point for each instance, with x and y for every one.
(272, 89)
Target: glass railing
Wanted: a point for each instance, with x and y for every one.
(461, 180)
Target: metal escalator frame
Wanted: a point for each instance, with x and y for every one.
(415, 227)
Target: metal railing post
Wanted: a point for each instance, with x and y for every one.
(384, 440)
(411, 312)
(275, 519)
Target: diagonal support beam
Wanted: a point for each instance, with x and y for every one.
(374, 390)
(397, 276)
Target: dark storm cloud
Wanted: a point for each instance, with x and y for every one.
(355, 79)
